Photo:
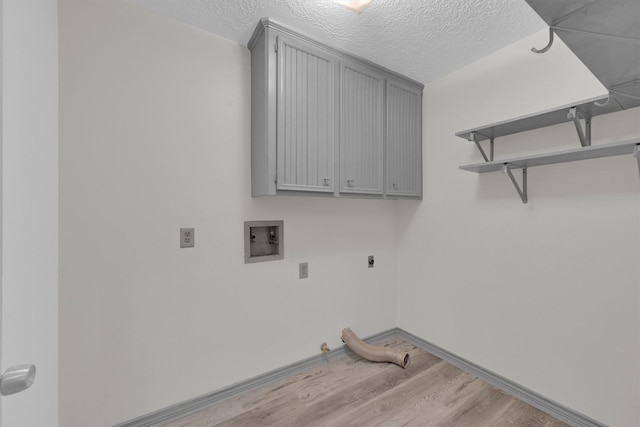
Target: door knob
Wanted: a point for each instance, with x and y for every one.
(16, 379)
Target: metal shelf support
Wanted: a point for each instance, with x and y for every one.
(636, 154)
(584, 135)
(522, 192)
(472, 137)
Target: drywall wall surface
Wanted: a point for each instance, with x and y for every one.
(155, 135)
(544, 293)
(29, 168)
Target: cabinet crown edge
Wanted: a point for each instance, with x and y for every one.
(268, 23)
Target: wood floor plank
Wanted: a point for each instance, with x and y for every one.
(352, 392)
(520, 414)
(319, 382)
(439, 405)
(398, 402)
(302, 413)
(481, 408)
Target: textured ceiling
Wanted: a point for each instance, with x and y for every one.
(422, 39)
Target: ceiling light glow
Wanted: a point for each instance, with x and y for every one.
(356, 5)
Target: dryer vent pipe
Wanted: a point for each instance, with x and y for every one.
(372, 352)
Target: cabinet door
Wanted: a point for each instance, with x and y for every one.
(306, 111)
(404, 140)
(361, 130)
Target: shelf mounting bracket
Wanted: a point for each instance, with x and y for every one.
(522, 192)
(583, 134)
(472, 137)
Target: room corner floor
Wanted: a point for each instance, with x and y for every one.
(350, 391)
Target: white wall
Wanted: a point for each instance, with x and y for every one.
(155, 135)
(545, 294)
(30, 206)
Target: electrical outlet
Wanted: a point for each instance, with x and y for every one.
(187, 237)
(303, 270)
(371, 261)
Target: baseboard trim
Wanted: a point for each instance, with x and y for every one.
(188, 407)
(536, 400)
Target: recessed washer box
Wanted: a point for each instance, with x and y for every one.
(263, 241)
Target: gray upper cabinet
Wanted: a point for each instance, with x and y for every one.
(327, 123)
(361, 129)
(306, 117)
(404, 136)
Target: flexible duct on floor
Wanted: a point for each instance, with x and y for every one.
(372, 352)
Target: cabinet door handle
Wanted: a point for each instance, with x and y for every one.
(349, 183)
(395, 186)
(326, 181)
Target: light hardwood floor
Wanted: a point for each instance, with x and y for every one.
(350, 391)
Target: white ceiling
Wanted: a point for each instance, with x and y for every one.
(422, 39)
